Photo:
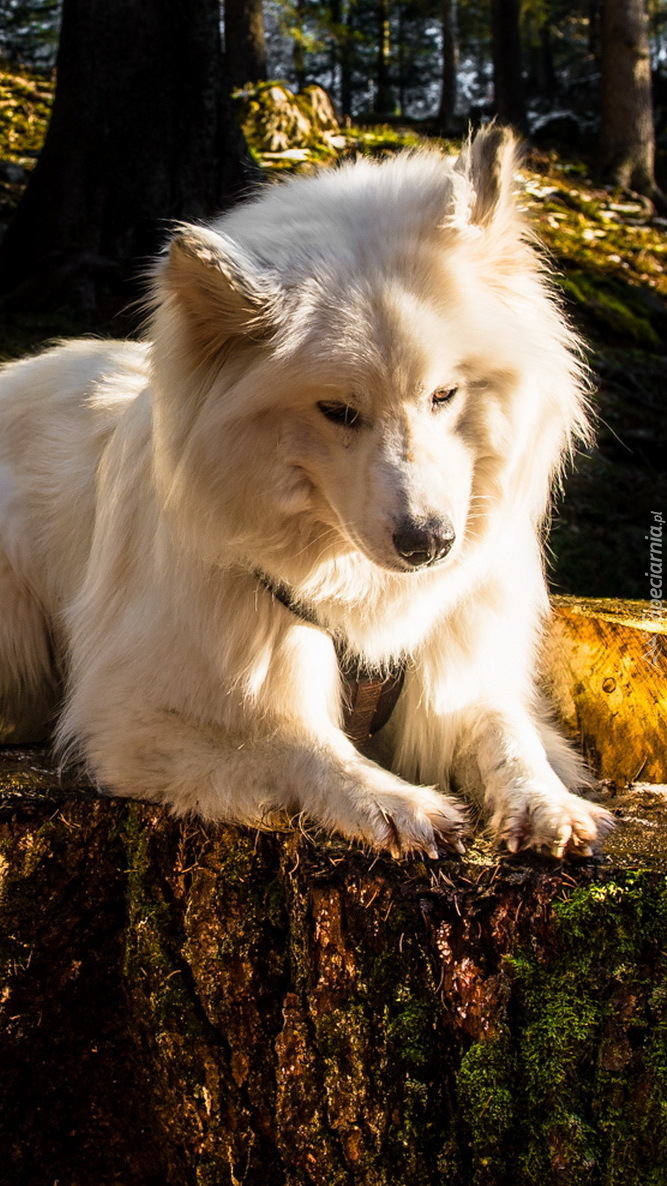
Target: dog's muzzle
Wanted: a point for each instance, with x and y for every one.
(422, 544)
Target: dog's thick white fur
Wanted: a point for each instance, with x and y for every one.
(358, 387)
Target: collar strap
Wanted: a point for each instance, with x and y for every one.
(370, 694)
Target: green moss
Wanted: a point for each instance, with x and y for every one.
(628, 912)
(384, 138)
(401, 997)
(413, 1132)
(411, 1033)
(486, 1096)
(335, 1029)
(149, 961)
(573, 1086)
(235, 857)
(580, 1009)
(576, 200)
(25, 109)
(614, 306)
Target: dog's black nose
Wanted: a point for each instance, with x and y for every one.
(419, 544)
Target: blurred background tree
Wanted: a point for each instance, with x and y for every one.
(245, 59)
(423, 58)
(29, 31)
(525, 60)
(508, 84)
(627, 138)
(142, 132)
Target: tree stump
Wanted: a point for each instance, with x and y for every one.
(188, 1005)
(606, 671)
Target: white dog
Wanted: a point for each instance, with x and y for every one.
(324, 477)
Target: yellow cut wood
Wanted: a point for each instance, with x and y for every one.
(605, 668)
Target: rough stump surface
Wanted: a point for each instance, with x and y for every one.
(207, 1006)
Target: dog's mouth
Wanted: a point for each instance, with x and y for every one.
(409, 563)
(409, 569)
(409, 546)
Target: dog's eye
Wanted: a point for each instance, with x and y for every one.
(341, 414)
(443, 395)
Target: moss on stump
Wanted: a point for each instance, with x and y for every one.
(210, 1006)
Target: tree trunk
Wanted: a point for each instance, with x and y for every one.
(383, 102)
(141, 133)
(401, 65)
(335, 50)
(627, 138)
(449, 65)
(298, 50)
(204, 1006)
(508, 84)
(189, 1005)
(245, 52)
(346, 59)
(546, 74)
(594, 29)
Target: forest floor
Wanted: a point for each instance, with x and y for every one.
(608, 253)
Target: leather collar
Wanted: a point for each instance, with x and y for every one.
(370, 694)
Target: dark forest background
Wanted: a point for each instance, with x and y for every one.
(118, 118)
(534, 61)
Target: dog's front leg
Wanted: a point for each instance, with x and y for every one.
(339, 788)
(253, 779)
(527, 804)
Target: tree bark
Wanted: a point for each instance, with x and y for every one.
(348, 15)
(449, 65)
(510, 102)
(204, 1006)
(245, 51)
(594, 29)
(383, 101)
(627, 138)
(189, 1005)
(141, 133)
(547, 78)
(298, 50)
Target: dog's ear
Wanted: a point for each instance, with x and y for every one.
(223, 295)
(490, 162)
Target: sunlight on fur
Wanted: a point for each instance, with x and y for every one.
(358, 387)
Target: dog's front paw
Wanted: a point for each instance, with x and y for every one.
(552, 821)
(393, 816)
(421, 820)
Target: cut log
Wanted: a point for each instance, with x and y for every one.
(606, 670)
(207, 1006)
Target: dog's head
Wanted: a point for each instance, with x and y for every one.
(372, 353)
